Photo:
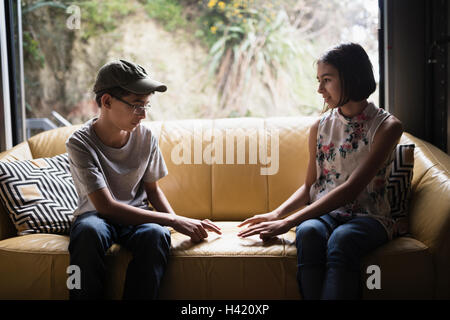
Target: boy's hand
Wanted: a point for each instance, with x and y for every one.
(194, 228)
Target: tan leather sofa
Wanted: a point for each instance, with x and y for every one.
(228, 267)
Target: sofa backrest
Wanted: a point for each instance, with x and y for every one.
(216, 167)
(241, 178)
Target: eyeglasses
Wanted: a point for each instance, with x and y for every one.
(136, 108)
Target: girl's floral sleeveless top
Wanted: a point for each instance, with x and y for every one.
(342, 144)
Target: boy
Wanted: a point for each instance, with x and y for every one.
(115, 163)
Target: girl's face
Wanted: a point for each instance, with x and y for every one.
(329, 83)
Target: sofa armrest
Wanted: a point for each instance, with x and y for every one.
(20, 152)
(429, 211)
(40, 146)
(430, 223)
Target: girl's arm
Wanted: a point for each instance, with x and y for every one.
(300, 197)
(385, 140)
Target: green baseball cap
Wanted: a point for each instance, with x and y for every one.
(127, 75)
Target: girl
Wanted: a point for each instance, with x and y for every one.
(351, 150)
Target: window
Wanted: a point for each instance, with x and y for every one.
(235, 58)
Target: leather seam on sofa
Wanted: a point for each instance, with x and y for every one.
(211, 210)
(406, 252)
(423, 145)
(419, 179)
(40, 251)
(267, 179)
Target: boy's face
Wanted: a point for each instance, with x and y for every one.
(126, 113)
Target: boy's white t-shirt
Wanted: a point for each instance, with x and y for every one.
(95, 165)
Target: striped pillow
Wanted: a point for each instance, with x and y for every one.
(39, 194)
(399, 186)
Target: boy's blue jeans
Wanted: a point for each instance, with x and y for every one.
(329, 254)
(90, 238)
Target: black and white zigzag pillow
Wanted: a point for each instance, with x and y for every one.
(39, 194)
(399, 186)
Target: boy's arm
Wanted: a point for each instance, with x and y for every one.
(121, 213)
(157, 198)
(118, 212)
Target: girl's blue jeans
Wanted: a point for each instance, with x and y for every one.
(90, 238)
(329, 253)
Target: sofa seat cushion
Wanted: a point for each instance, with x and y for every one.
(228, 267)
(228, 244)
(220, 267)
(45, 244)
(36, 243)
(406, 269)
(36, 266)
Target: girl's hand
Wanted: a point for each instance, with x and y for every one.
(266, 230)
(270, 216)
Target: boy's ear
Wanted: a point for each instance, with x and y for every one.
(106, 100)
